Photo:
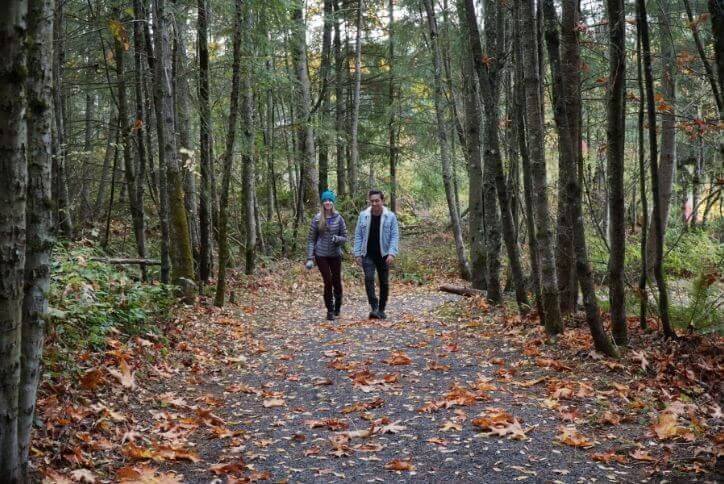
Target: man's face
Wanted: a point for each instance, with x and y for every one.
(376, 203)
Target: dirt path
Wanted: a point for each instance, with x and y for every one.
(319, 401)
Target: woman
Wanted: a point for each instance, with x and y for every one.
(327, 235)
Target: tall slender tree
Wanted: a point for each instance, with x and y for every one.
(205, 248)
(615, 143)
(228, 156)
(354, 119)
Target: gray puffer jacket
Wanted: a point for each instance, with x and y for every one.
(320, 243)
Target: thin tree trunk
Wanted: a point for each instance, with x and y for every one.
(549, 283)
(563, 110)
(86, 210)
(615, 143)
(444, 146)
(309, 180)
(642, 184)
(180, 245)
(392, 124)
(205, 248)
(488, 68)
(519, 109)
(667, 108)
(183, 129)
(139, 126)
(229, 156)
(324, 114)
(111, 147)
(247, 157)
(39, 224)
(658, 225)
(64, 217)
(702, 56)
(13, 185)
(475, 171)
(339, 103)
(135, 205)
(354, 122)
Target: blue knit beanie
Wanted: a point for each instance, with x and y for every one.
(328, 195)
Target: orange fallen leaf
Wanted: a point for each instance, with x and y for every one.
(273, 402)
(399, 465)
(571, 436)
(398, 358)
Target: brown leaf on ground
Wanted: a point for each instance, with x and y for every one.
(399, 465)
(571, 436)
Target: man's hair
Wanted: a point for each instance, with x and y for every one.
(374, 191)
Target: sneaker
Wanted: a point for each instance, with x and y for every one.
(374, 314)
(381, 314)
(330, 316)
(336, 313)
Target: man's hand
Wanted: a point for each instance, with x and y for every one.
(390, 259)
(359, 260)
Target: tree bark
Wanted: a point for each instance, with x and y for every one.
(565, 104)
(488, 68)
(229, 156)
(139, 126)
(111, 147)
(392, 129)
(247, 157)
(339, 103)
(444, 146)
(205, 248)
(183, 130)
(309, 180)
(135, 205)
(472, 146)
(667, 110)
(64, 218)
(615, 139)
(658, 225)
(643, 296)
(13, 184)
(702, 56)
(180, 245)
(324, 113)
(549, 283)
(354, 122)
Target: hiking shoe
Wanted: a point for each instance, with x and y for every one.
(336, 313)
(330, 316)
(374, 314)
(381, 314)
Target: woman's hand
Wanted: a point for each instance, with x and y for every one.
(309, 264)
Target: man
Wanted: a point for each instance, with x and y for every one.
(376, 241)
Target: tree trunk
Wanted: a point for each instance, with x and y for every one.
(229, 156)
(392, 106)
(643, 296)
(309, 180)
(339, 103)
(247, 157)
(135, 205)
(324, 114)
(39, 224)
(702, 56)
(444, 146)
(615, 139)
(667, 109)
(549, 283)
(86, 210)
(354, 122)
(658, 225)
(488, 68)
(564, 107)
(111, 147)
(64, 219)
(183, 129)
(205, 247)
(519, 109)
(472, 146)
(180, 245)
(139, 126)
(13, 184)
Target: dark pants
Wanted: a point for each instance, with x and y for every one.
(331, 269)
(370, 265)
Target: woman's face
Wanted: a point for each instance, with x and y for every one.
(328, 205)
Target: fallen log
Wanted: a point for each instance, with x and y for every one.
(108, 260)
(462, 291)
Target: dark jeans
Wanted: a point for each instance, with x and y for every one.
(369, 265)
(331, 269)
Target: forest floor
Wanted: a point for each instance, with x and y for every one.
(445, 389)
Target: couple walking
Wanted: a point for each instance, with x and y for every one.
(376, 240)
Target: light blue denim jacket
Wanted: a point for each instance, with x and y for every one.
(389, 233)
